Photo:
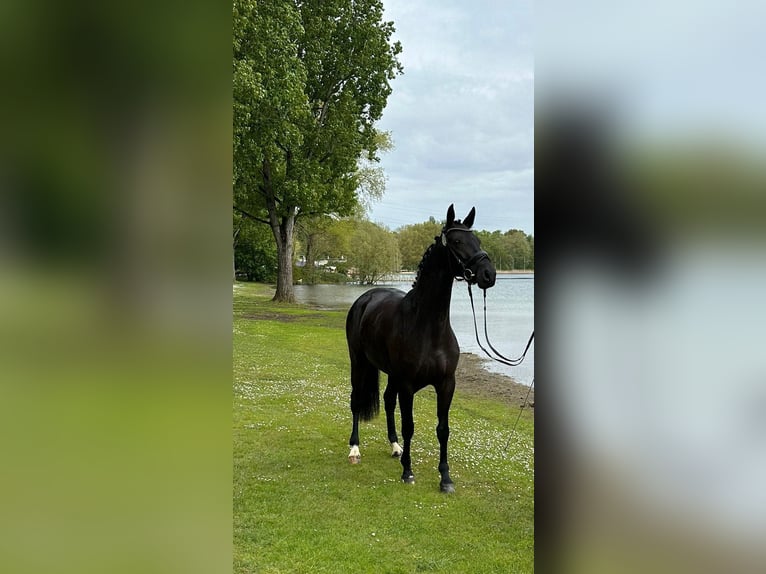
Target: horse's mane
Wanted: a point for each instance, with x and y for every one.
(422, 263)
(429, 251)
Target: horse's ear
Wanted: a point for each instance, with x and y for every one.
(468, 221)
(450, 215)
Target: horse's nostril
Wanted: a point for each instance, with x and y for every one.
(489, 276)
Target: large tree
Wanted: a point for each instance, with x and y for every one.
(311, 79)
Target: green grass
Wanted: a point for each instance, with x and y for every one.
(300, 507)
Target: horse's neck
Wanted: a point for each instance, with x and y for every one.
(432, 292)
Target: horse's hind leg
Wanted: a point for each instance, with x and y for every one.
(389, 399)
(354, 456)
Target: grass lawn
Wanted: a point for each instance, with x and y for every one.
(300, 507)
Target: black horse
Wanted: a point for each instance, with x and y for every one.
(409, 337)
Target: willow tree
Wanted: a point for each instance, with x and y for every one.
(311, 79)
(373, 252)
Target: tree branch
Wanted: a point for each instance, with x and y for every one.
(288, 158)
(302, 213)
(338, 86)
(323, 113)
(282, 147)
(251, 216)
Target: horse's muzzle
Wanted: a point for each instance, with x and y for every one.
(480, 271)
(485, 276)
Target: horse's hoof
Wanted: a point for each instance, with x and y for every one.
(396, 454)
(409, 479)
(354, 456)
(354, 459)
(447, 488)
(396, 450)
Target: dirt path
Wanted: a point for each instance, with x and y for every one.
(475, 380)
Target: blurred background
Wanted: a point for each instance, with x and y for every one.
(115, 264)
(651, 191)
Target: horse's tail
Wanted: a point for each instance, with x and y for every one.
(365, 392)
(365, 385)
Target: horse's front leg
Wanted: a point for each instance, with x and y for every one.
(443, 402)
(408, 429)
(389, 399)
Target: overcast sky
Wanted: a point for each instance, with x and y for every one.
(461, 115)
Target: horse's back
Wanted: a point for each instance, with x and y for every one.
(377, 300)
(370, 319)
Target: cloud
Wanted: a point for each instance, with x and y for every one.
(461, 116)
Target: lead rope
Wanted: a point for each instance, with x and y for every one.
(476, 332)
(499, 357)
(524, 404)
(515, 362)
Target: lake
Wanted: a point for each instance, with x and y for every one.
(510, 314)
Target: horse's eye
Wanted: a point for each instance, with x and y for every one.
(457, 242)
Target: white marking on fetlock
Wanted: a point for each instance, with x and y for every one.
(396, 450)
(354, 456)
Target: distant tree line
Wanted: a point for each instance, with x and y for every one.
(509, 250)
(329, 250)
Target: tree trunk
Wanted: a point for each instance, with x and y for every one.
(284, 236)
(309, 269)
(283, 229)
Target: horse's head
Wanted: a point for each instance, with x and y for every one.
(465, 246)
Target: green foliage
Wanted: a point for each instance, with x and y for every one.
(510, 250)
(300, 507)
(269, 103)
(413, 241)
(320, 237)
(319, 275)
(371, 177)
(323, 237)
(373, 253)
(255, 254)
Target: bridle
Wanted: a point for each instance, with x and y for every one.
(468, 274)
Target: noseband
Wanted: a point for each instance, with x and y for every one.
(468, 273)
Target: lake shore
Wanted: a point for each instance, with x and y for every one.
(473, 379)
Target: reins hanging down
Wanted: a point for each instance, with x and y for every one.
(497, 356)
(521, 409)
